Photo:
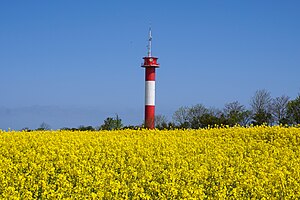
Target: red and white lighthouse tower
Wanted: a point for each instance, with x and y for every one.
(150, 64)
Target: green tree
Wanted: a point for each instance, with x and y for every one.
(86, 128)
(112, 123)
(196, 116)
(293, 110)
(262, 117)
(261, 107)
(235, 113)
(212, 117)
(44, 126)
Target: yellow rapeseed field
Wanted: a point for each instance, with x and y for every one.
(217, 163)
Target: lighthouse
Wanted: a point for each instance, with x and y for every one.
(150, 64)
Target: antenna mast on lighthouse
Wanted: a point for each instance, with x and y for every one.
(150, 42)
(150, 63)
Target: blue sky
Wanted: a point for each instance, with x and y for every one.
(71, 63)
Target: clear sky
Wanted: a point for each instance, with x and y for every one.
(71, 62)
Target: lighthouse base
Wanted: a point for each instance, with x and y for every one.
(150, 117)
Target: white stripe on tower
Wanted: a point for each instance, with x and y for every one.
(150, 93)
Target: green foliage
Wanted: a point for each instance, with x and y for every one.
(44, 126)
(262, 117)
(235, 113)
(293, 110)
(112, 123)
(86, 128)
(199, 116)
(261, 104)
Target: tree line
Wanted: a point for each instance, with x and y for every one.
(263, 110)
(110, 123)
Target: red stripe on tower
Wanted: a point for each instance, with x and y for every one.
(150, 74)
(150, 63)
